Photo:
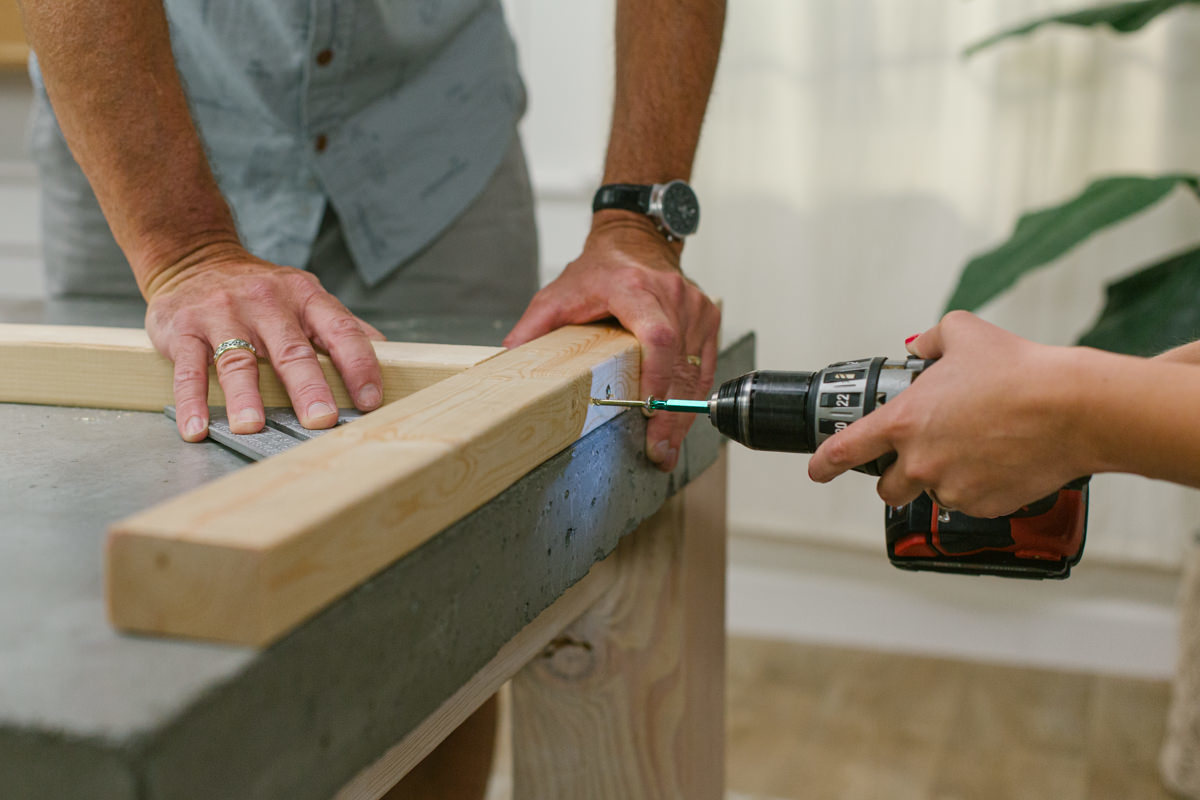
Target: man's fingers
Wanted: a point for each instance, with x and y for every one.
(237, 372)
(661, 338)
(295, 362)
(862, 441)
(191, 356)
(691, 389)
(695, 366)
(369, 330)
(709, 349)
(700, 334)
(342, 334)
(708, 365)
(701, 345)
(373, 333)
(539, 318)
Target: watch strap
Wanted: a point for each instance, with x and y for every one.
(623, 196)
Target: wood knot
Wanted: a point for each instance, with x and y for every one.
(569, 659)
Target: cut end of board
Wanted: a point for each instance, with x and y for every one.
(153, 586)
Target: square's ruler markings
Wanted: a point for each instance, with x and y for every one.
(283, 430)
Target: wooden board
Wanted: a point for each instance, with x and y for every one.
(75, 365)
(247, 557)
(629, 700)
(13, 50)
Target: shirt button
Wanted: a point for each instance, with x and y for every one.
(324, 57)
(321, 143)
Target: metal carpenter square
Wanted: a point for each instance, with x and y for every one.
(283, 431)
(285, 420)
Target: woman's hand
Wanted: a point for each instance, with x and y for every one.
(988, 428)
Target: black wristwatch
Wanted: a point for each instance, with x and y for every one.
(673, 205)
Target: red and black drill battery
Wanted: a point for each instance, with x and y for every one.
(1041, 540)
(796, 411)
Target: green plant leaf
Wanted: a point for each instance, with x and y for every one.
(1152, 310)
(1121, 17)
(1042, 236)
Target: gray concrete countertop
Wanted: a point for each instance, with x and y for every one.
(91, 713)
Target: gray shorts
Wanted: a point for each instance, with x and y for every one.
(484, 263)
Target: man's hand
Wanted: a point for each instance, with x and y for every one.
(993, 425)
(666, 55)
(629, 271)
(283, 312)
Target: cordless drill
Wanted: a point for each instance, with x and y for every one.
(796, 411)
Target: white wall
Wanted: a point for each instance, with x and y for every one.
(852, 161)
(1114, 620)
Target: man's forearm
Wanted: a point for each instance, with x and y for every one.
(666, 57)
(111, 78)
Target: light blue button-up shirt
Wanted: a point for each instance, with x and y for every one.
(395, 111)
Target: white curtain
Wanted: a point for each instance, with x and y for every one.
(852, 161)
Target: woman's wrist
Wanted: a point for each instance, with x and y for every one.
(1090, 401)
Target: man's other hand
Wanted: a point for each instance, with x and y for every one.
(628, 270)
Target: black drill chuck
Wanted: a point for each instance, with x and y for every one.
(794, 412)
(766, 411)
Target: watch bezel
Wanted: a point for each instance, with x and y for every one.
(658, 192)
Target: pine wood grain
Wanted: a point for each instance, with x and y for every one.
(246, 558)
(629, 701)
(76, 365)
(13, 50)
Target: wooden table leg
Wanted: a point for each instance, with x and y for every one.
(458, 769)
(628, 702)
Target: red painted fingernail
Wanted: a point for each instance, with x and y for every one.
(909, 339)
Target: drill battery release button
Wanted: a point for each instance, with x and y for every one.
(796, 411)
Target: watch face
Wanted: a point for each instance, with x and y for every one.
(680, 209)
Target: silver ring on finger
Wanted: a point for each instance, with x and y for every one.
(233, 344)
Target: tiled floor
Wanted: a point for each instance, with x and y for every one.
(807, 722)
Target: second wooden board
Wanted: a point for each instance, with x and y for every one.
(75, 365)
